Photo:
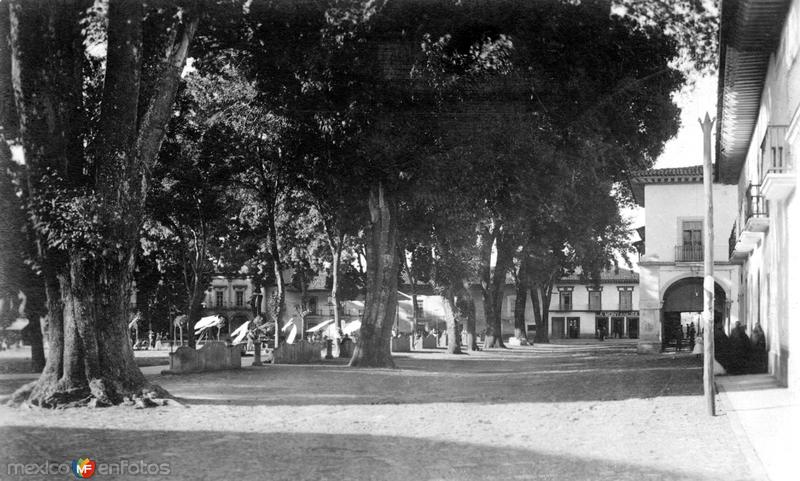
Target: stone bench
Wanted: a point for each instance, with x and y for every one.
(213, 356)
(302, 352)
(401, 344)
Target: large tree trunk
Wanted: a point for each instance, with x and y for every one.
(521, 289)
(373, 348)
(493, 277)
(337, 259)
(335, 243)
(453, 334)
(466, 309)
(540, 296)
(279, 296)
(520, 329)
(93, 364)
(195, 306)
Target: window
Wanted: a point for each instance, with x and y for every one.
(512, 305)
(311, 305)
(693, 232)
(219, 298)
(692, 237)
(239, 298)
(625, 300)
(565, 301)
(595, 300)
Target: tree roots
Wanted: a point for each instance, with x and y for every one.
(97, 393)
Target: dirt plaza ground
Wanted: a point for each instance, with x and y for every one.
(571, 411)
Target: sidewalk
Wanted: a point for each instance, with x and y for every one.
(766, 417)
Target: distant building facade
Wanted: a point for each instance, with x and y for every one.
(581, 308)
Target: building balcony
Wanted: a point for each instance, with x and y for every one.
(689, 253)
(749, 229)
(754, 210)
(778, 175)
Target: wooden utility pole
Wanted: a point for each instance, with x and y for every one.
(708, 263)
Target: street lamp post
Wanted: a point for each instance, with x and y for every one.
(708, 264)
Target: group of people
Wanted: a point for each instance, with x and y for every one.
(739, 353)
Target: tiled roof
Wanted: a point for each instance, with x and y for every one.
(672, 175)
(675, 174)
(609, 276)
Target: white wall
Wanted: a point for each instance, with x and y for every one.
(771, 274)
(667, 205)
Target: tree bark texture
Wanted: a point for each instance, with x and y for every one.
(373, 348)
(453, 334)
(336, 250)
(520, 302)
(493, 279)
(541, 294)
(466, 309)
(279, 296)
(89, 285)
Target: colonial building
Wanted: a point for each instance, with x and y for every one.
(757, 149)
(580, 308)
(672, 252)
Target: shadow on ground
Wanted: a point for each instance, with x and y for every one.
(214, 455)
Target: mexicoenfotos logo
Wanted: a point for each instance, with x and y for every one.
(83, 468)
(86, 467)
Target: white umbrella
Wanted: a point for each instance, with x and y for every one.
(292, 335)
(288, 325)
(320, 326)
(240, 333)
(18, 325)
(206, 322)
(352, 327)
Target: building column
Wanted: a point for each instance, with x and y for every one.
(649, 329)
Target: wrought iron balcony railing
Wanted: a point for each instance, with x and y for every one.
(689, 253)
(756, 204)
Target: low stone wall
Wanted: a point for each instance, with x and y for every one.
(213, 356)
(401, 344)
(299, 353)
(427, 342)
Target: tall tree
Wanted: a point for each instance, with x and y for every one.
(91, 139)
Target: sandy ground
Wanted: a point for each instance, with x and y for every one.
(594, 411)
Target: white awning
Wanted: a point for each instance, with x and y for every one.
(320, 326)
(18, 325)
(352, 327)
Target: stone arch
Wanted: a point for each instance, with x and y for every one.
(685, 295)
(721, 283)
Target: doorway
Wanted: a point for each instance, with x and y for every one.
(682, 301)
(574, 327)
(601, 325)
(617, 327)
(633, 328)
(558, 328)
